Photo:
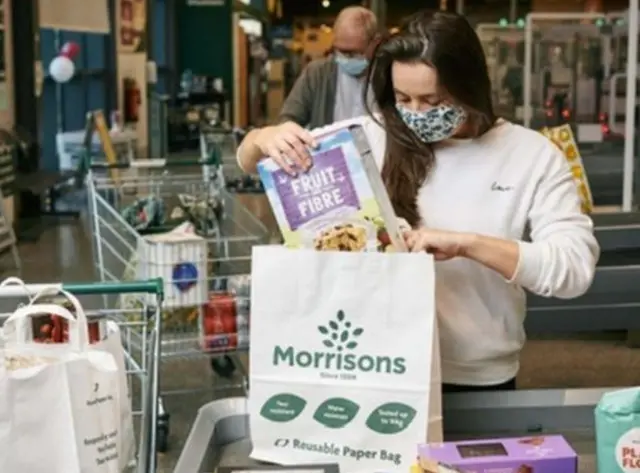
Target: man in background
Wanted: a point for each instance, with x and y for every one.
(328, 90)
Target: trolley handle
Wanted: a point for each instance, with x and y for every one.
(155, 164)
(151, 286)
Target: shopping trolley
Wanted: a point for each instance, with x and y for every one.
(230, 231)
(219, 144)
(140, 334)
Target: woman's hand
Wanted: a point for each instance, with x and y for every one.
(443, 245)
(288, 145)
(494, 253)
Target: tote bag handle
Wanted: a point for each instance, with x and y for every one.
(14, 281)
(77, 306)
(55, 291)
(15, 327)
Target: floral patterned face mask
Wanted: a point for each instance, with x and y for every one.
(433, 125)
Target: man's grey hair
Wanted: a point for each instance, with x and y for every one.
(360, 18)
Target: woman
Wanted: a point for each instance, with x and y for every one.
(495, 203)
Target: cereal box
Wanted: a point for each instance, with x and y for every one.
(340, 204)
(539, 454)
(563, 138)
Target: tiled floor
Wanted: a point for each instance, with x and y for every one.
(64, 253)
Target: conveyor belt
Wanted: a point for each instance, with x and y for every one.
(612, 303)
(604, 169)
(236, 454)
(613, 220)
(618, 231)
(220, 434)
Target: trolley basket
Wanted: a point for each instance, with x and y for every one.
(229, 229)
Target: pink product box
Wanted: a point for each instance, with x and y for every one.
(542, 454)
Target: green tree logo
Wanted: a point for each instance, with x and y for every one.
(340, 334)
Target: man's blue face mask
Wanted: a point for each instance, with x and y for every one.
(354, 66)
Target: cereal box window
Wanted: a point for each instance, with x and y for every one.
(482, 450)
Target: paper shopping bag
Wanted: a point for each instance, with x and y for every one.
(64, 400)
(341, 358)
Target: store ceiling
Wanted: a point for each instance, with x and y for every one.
(395, 8)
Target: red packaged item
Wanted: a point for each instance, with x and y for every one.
(219, 332)
(55, 329)
(60, 332)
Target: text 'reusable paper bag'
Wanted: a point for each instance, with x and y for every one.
(341, 358)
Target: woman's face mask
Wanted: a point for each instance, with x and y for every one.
(435, 124)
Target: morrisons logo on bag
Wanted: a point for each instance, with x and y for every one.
(340, 339)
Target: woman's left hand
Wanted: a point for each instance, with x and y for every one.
(443, 245)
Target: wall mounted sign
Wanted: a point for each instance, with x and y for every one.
(132, 16)
(75, 15)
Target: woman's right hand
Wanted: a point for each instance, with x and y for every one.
(288, 145)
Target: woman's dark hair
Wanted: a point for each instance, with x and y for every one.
(448, 43)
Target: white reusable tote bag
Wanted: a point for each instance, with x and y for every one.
(5, 408)
(341, 358)
(111, 343)
(64, 400)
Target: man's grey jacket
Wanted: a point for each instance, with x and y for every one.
(312, 99)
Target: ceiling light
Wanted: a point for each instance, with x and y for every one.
(326, 3)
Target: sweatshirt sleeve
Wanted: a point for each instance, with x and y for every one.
(560, 260)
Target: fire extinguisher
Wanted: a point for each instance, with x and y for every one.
(132, 100)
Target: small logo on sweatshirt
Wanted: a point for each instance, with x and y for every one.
(500, 188)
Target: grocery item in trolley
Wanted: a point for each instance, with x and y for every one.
(219, 323)
(618, 431)
(540, 454)
(204, 213)
(340, 204)
(180, 259)
(563, 138)
(145, 213)
(54, 329)
(225, 322)
(243, 311)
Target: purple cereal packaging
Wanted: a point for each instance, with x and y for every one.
(340, 204)
(539, 454)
